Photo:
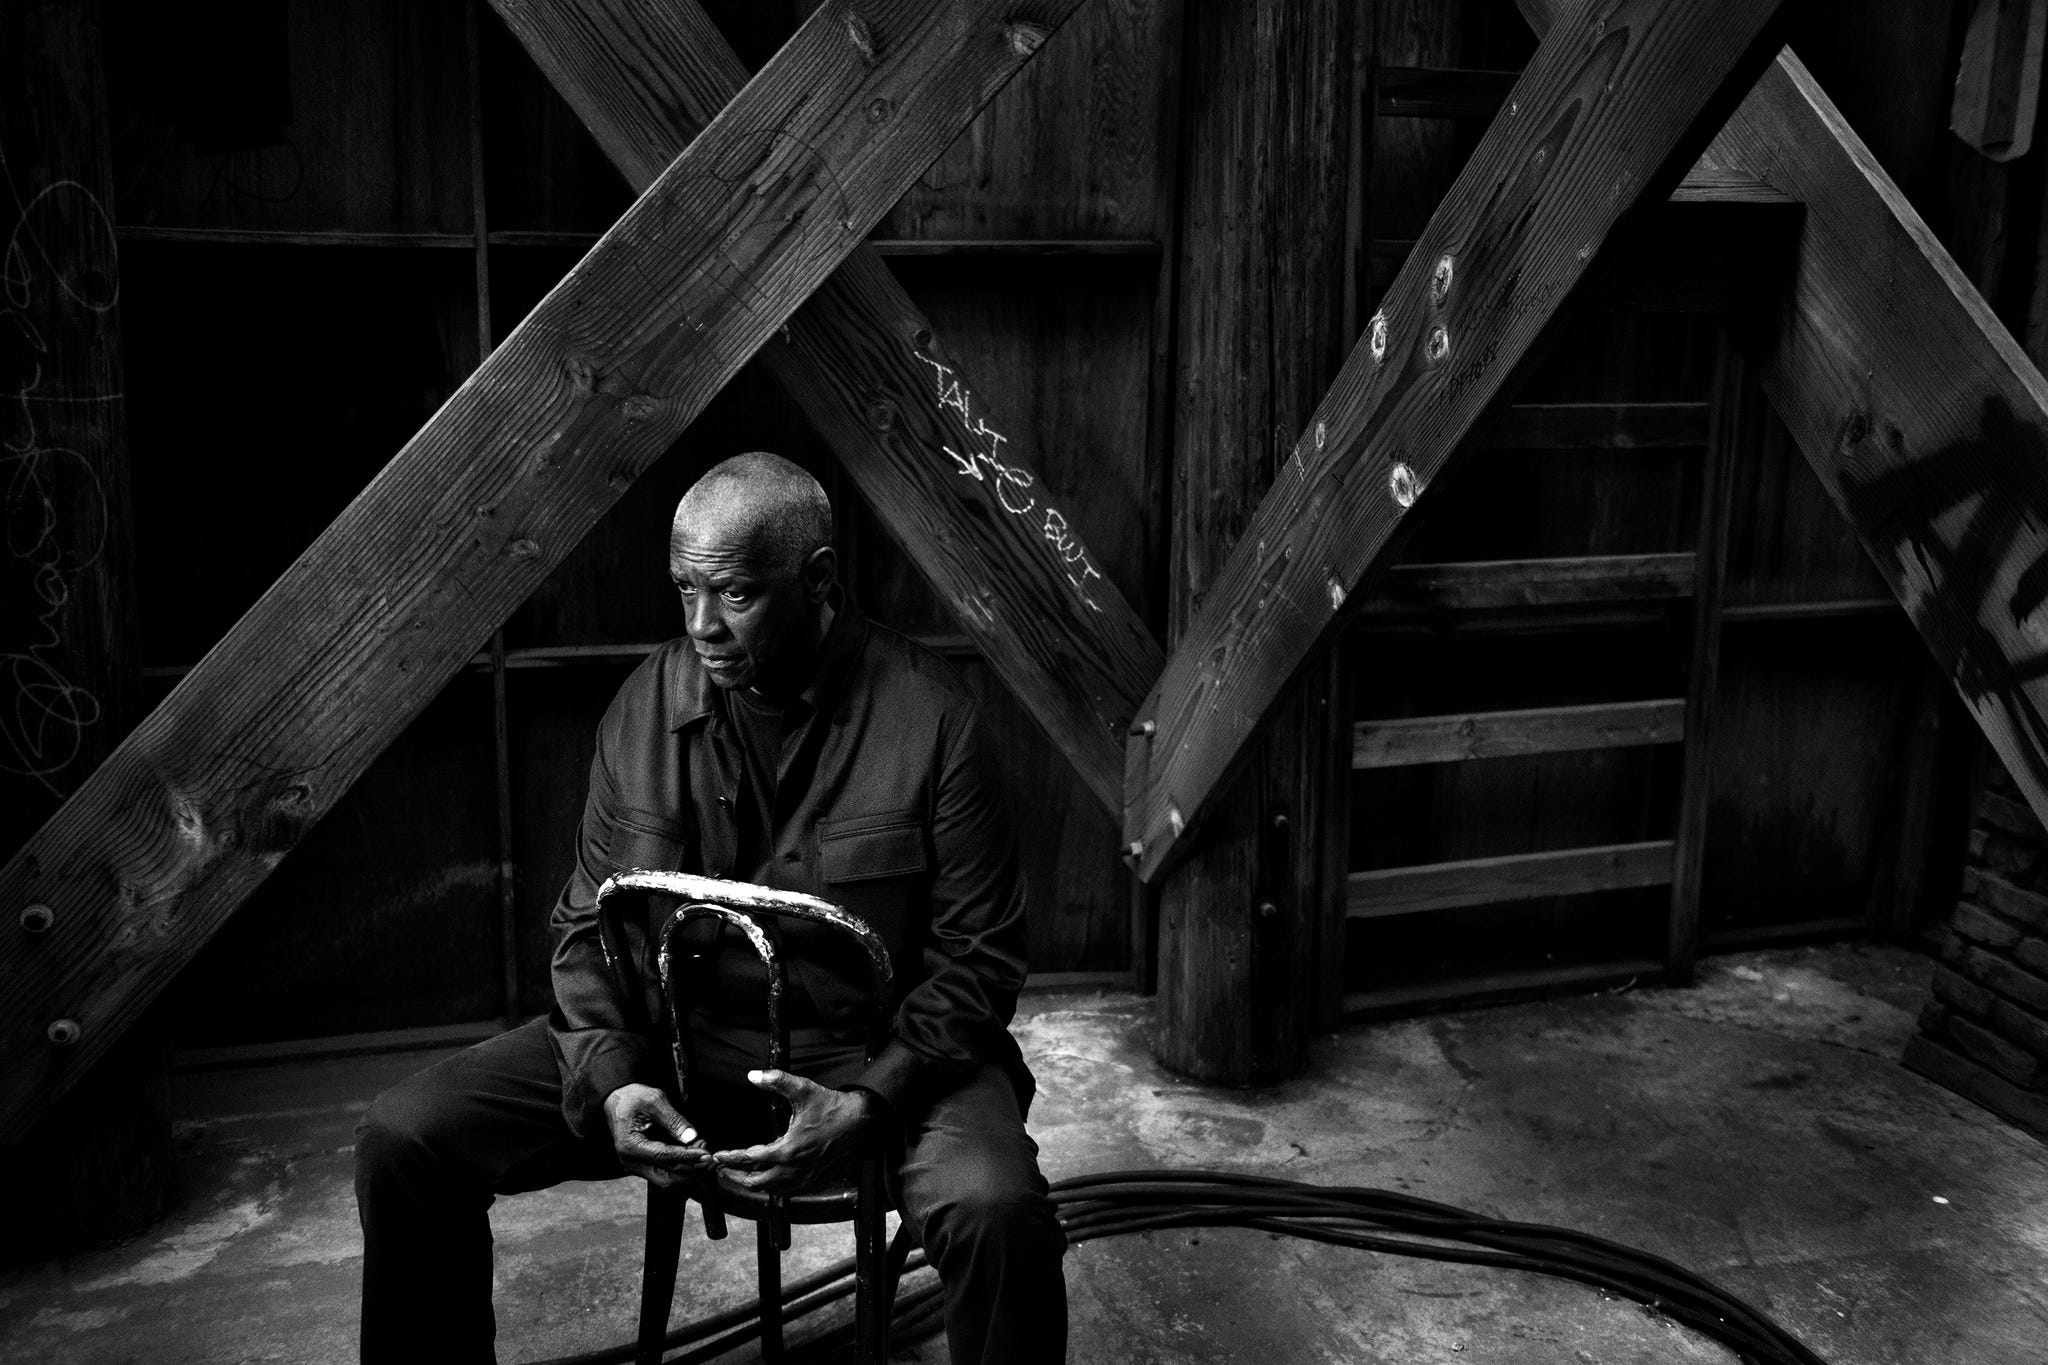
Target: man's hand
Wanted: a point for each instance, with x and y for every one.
(825, 1127)
(642, 1121)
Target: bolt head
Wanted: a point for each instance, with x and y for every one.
(63, 1032)
(37, 918)
(1268, 910)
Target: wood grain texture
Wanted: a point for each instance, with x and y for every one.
(207, 795)
(1737, 416)
(940, 470)
(1513, 734)
(69, 662)
(1079, 147)
(1596, 117)
(1513, 877)
(1267, 210)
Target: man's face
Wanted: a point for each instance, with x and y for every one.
(753, 620)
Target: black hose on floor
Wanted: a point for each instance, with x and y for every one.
(1121, 1202)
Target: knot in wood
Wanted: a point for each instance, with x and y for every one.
(1025, 38)
(879, 109)
(1377, 336)
(1403, 485)
(1439, 344)
(860, 33)
(1440, 281)
(1854, 429)
(523, 548)
(582, 372)
(639, 407)
(881, 414)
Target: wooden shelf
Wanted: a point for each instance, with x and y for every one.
(1513, 583)
(584, 240)
(902, 246)
(1514, 734)
(1840, 609)
(130, 233)
(1502, 880)
(1595, 426)
(1440, 92)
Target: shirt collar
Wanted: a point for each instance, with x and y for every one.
(694, 697)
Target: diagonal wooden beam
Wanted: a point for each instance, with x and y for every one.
(875, 380)
(1596, 118)
(190, 813)
(1916, 407)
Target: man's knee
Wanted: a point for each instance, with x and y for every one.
(403, 1127)
(977, 1212)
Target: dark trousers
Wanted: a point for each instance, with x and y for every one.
(435, 1150)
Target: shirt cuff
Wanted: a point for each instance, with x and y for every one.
(892, 1076)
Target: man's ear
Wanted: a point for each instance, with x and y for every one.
(820, 572)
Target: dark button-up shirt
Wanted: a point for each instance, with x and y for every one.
(885, 804)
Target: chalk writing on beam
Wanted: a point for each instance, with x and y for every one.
(1013, 486)
(44, 715)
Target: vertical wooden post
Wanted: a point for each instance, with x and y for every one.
(99, 1163)
(1731, 422)
(501, 742)
(1268, 187)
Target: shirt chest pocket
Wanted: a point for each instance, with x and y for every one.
(875, 866)
(643, 841)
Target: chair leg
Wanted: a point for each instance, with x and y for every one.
(873, 1287)
(768, 1279)
(664, 1244)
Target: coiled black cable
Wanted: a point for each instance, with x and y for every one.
(1121, 1202)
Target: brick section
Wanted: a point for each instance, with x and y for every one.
(1984, 1035)
(2025, 908)
(1981, 926)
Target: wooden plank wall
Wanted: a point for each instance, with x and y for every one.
(315, 243)
(299, 210)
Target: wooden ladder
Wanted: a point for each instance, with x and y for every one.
(1589, 581)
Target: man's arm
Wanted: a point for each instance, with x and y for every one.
(600, 1046)
(974, 950)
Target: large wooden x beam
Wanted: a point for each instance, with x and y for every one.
(193, 810)
(1598, 117)
(876, 381)
(1920, 413)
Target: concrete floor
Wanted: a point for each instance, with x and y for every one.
(1757, 1128)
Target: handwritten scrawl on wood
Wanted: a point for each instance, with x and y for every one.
(1013, 484)
(1973, 519)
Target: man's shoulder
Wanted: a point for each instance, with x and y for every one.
(908, 672)
(666, 685)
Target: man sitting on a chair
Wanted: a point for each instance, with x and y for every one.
(790, 742)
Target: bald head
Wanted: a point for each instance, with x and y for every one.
(751, 555)
(771, 505)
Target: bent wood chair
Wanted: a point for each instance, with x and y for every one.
(862, 1199)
